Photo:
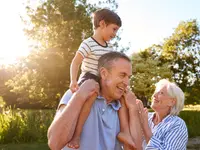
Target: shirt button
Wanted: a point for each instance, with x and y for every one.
(103, 110)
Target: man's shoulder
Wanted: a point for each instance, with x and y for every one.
(66, 97)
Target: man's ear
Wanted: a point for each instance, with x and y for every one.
(103, 73)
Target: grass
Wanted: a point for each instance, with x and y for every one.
(192, 108)
(26, 146)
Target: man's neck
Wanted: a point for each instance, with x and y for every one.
(159, 116)
(104, 94)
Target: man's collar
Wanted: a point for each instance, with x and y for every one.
(115, 104)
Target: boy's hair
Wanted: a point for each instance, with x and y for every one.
(107, 15)
(107, 59)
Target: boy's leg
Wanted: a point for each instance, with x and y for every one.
(126, 147)
(124, 135)
(85, 111)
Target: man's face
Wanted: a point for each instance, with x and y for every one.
(116, 80)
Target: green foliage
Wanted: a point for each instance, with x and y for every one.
(182, 50)
(26, 146)
(2, 103)
(6, 73)
(56, 29)
(178, 59)
(192, 120)
(192, 95)
(25, 126)
(147, 70)
(21, 126)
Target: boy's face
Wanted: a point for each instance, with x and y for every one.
(109, 31)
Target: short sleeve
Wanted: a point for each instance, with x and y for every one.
(66, 97)
(84, 49)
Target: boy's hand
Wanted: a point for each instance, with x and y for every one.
(73, 86)
(88, 88)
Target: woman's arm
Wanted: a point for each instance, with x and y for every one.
(174, 137)
(143, 112)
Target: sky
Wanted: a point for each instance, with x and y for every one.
(147, 22)
(144, 22)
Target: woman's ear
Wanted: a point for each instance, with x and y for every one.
(103, 73)
(172, 102)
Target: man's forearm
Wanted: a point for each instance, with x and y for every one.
(63, 126)
(135, 127)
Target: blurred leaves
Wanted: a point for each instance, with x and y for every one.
(56, 29)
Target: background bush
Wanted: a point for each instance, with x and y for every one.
(22, 126)
(25, 126)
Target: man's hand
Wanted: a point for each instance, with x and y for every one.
(88, 88)
(73, 86)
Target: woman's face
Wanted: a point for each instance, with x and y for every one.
(161, 100)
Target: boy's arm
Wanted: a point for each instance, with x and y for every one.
(74, 68)
(134, 121)
(135, 128)
(77, 60)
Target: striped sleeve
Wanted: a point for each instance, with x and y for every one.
(84, 49)
(175, 138)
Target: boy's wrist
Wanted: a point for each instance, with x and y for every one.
(73, 81)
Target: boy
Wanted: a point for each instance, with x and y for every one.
(106, 24)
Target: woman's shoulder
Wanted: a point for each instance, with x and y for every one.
(150, 114)
(177, 121)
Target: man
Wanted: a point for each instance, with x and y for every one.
(102, 126)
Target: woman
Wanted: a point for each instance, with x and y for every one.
(163, 129)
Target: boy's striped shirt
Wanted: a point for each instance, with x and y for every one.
(91, 51)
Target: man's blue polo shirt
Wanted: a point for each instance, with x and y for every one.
(101, 127)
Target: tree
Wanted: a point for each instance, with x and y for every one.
(182, 51)
(56, 29)
(6, 73)
(147, 70)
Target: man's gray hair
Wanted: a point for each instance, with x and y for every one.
(174, 92)
(107, 59)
